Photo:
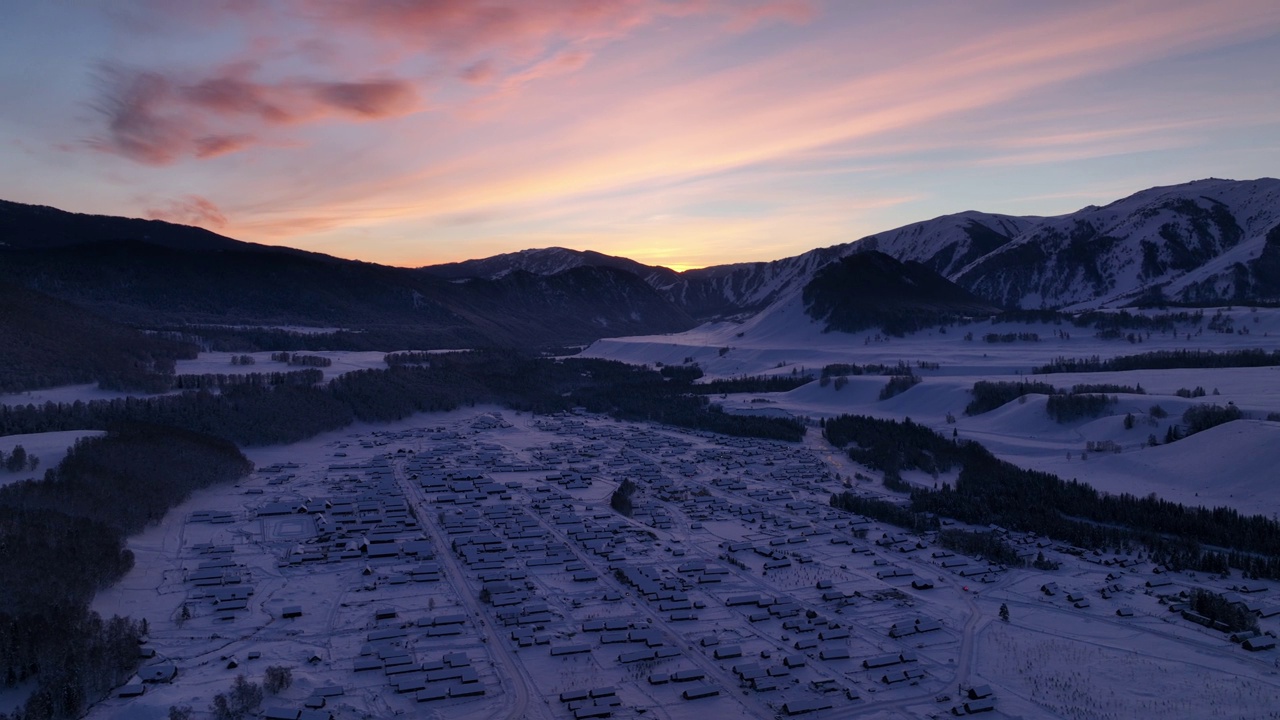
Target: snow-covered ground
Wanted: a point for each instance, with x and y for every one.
(747, 561)
(1230, 466)
(343, 361)
(49, 447)
(416, 521)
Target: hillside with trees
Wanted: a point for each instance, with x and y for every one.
(62, 538)
(991, 491)
(871, 289)
(46, 342)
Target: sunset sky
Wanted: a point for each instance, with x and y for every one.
(676, 132)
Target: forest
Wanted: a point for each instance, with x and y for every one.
(993, 491)
(62, 538)
(1069, 407)
(47, 342)
(753, 384)
(266, 414)
(986, 545)
(1164, 360)
(989, 395)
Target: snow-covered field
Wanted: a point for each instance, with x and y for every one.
(343, 361)
(1232, 465)
(49, 447)
(469, 565)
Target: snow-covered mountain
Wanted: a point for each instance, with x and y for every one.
(1200, 242)
(949, 243)
(546, 261)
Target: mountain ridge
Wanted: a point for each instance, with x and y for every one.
(1202, 242)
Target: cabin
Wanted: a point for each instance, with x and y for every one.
(1259, 643)
(834, 653)
(881, 661)
(162, 672)
(572, 649)
(687, 675)
(979, 706)
(699, 692)
(804, 706)
(979, 692)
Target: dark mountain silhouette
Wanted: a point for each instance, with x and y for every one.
(41, 227)
(1204, 242)
(47, 342)
(172, 276)
(871, 289)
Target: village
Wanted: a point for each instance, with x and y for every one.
(477, 567)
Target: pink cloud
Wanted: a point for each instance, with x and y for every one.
(796, 12)
(189, 210)
(479, 72)
(370, 99)
(214, 145)
(159, 117)
(463, 28)
(485, 36)
(156, 119)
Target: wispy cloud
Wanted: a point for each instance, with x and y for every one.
(704, 126)
(189, 210)
(156, 118)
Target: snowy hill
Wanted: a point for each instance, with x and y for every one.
(1201, 242)
(1198, 243)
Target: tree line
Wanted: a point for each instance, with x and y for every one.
(218, 381)
(62, 539)
(1164, 360)
(751, 384)
(272, 414)
(901, 368)
(986, 545)
(45, 342)
(992, 491)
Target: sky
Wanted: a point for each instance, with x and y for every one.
(682, 133)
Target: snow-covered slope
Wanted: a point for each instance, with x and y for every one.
(1196, 242)
(947, 244)
(1225, 466)
(1200, 242)
(1205, 241)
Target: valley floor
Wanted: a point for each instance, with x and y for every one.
(469, 565)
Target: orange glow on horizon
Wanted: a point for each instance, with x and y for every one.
(672, 133)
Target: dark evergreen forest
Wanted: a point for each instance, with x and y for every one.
(992, 491)
(1164, 360)
(264, 413)
(62, 538)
